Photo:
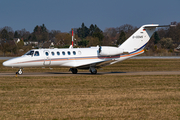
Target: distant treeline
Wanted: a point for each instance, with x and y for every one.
(163, 40)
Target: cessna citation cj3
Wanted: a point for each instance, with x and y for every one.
(86, 58)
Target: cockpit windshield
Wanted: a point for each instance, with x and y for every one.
(31, 52)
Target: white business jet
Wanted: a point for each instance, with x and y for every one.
(86, 58)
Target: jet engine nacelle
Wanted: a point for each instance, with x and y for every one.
(109, 51)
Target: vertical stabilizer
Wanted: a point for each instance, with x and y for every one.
(139, 39)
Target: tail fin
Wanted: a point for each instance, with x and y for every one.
(139, 39)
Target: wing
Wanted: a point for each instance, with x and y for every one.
(98, 64)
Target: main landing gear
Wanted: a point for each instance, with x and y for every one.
(20, 72)
(93, 70)
(73, 70)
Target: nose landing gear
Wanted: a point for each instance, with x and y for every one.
(20, 72)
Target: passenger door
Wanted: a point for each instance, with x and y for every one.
(47, 59)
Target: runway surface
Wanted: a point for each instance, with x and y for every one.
(86, 73)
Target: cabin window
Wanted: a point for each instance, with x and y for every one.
(69, 53)
(46, 53)
(74, 53)
(30, 53)
(63, 53)
(36, 53)
(58, 53)
(52, 53)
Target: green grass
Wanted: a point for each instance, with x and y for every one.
(90, 97)
(93, 96)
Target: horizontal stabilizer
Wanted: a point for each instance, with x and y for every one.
(159, 26)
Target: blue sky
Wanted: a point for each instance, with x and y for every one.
(66, 14)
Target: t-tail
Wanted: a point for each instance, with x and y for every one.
(134, 45)
(140, 38)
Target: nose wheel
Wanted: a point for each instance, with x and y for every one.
(20, 72)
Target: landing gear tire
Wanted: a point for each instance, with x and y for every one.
(93, 72)
(73, 70)
(20, 72)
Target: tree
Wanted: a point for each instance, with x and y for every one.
(156, 38)
(95, 32)
(45, 36)
(83, 43)
(10, 32)
(4, 46)
(110, 36)
(16, 35)
(166, 43)
(83, 32)
(174, 32)
(8, 46)
(41, 33)
(63, 39)
(36, 29)
(20, 44)
(34, 37)
(99, 35)
(14, 49)
(23, 34)
(107, 41)
(122, 38)
(93, 41)
(91, 30)
(43, 28)
(4, 34)
(110, 32)
(128, 29)
(53, 33)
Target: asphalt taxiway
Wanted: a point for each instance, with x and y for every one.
(87, 73)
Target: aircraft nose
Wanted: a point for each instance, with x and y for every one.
(6, 63)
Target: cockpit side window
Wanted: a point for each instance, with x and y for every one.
(30, 53)
(36, 53)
